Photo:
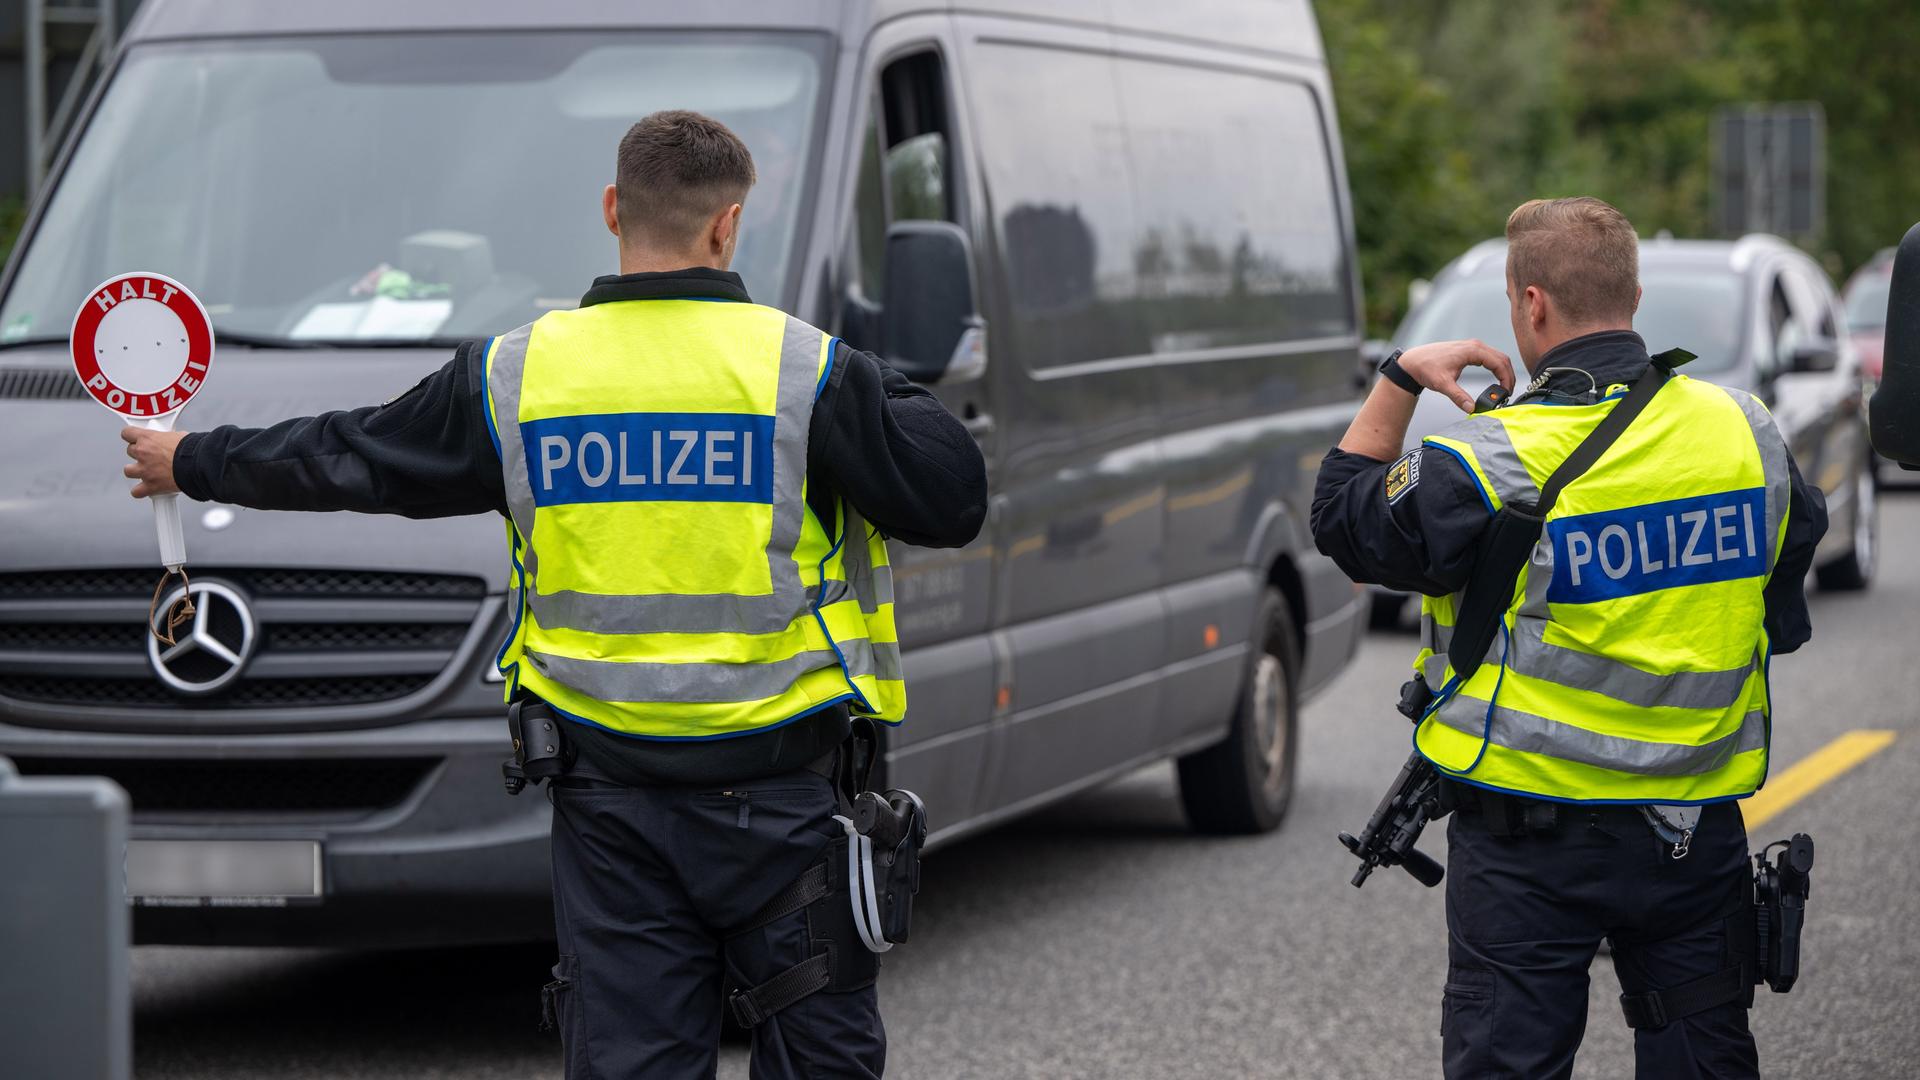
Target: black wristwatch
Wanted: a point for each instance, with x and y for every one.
(1391, 371)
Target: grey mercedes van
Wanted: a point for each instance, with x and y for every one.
(1114, 237)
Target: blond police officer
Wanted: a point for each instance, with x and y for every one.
(697, 493)
(1594, 757)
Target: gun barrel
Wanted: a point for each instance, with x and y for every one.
(1423, 868)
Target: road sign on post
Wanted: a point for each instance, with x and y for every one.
(1770, 170)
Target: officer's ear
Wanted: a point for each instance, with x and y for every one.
(723, 234)
(610, 209)
(1536, 304)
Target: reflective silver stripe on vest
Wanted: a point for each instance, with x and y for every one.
(1436, 637)
(1493, 449)
(1533, 602)
(684, 684)
(1773, 463)
(709, 683)
(872, 587)
(503, 386)
(872, 584)
(1533, 657)
(673, 612)
(1515, 730)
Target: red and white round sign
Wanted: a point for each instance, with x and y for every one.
(142, 344)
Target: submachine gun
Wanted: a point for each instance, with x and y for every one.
(1411, 802)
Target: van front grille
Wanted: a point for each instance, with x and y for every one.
(149, 693)
(162, 786)
(40, 384)
(77, 639)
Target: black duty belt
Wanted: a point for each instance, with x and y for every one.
(1513, 816)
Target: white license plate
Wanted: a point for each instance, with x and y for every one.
(222, 872)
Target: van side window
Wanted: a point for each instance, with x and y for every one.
(905, 175)
(1234, 198)
(1055, 157)
(1197, 211)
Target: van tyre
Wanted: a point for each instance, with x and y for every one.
(1854, 570)
(1242, 784)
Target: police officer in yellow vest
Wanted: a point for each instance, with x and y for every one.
(1595, 756)
(698, 492)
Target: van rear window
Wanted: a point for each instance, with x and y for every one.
(1190, 209)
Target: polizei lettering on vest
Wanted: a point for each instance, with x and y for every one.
(1663, 545)
(650, 457)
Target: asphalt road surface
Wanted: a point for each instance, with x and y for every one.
(1100, 939)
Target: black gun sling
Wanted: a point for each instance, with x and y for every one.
(1516, 529)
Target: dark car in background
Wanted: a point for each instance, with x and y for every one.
(1757, 313)
(1115, 239)
(1865, 298)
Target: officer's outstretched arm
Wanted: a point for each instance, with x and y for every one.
(424, 454)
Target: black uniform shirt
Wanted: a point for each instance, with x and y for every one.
(1423, 538)
(886, 445)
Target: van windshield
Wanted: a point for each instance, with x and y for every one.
(404, 188)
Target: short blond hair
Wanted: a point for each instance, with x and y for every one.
(1581, 252)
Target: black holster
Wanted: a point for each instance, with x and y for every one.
(895, 823)
(540, 747)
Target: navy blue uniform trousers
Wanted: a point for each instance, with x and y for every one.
(1526, 915)
(647, 882)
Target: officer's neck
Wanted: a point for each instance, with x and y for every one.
(636, 261)
(1549, 340)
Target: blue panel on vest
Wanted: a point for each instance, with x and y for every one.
(650, 457)
(1663, 545)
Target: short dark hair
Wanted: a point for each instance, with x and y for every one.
(676, 170)
(1580, 251)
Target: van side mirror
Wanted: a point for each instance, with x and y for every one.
(1820, 354)
(1893, 417)
(930, 329)
(1373, 353)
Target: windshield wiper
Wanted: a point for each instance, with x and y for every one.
(271, 341)
(28, 343)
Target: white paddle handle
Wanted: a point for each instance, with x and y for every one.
(166, 522)
(166, 516)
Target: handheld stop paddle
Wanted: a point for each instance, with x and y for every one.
(142, 344)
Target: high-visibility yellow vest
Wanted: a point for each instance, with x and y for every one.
(670, 580)
(1631, 665)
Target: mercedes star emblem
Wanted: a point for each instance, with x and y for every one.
(217, 648)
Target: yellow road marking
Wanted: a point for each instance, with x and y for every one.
(1808, 774)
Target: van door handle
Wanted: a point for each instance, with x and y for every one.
(979, 426)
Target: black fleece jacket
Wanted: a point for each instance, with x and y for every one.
(884, 444)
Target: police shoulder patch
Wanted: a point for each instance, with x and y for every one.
(1402, 475)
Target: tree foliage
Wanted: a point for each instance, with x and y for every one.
(1452, 112)
(13, 214)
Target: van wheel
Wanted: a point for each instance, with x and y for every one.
(1242, 784)
(1854, 570)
